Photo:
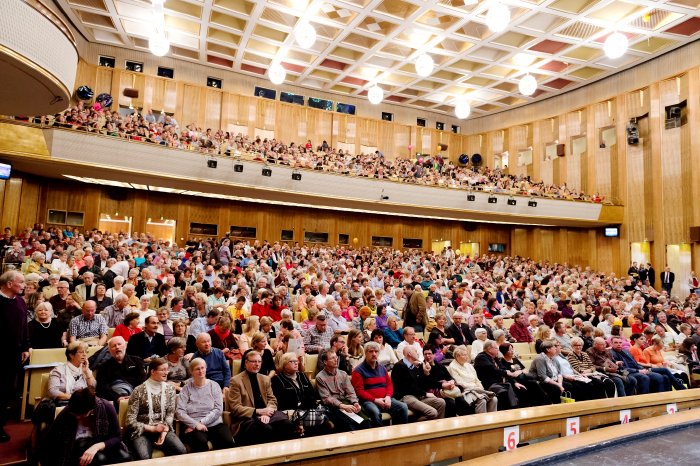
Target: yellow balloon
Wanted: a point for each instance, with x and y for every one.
(355, 241)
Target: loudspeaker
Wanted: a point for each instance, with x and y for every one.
(266, 172)
(512, 202)
(238, 168)
(471, 197)
(493, 200)
(211, 163)
(296, 176)
(561, 152)
(695, 234)
(117, 194)
(532, 203)
(131, 92)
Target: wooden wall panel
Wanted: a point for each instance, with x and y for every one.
(671, 169)
(265, 114)
(212, 112)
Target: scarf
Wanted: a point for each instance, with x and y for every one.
(72, 374)
(223, 335)
(154, 388)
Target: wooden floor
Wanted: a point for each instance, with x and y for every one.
(561, 445)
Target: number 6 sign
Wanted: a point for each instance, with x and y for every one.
(625, 416)
(511, 437)
(572, 426)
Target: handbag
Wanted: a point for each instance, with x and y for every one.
(566, 397)
(313, 417)
(453, 392)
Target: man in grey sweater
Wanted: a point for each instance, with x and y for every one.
(337, 393)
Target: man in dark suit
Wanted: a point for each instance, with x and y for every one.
(667, 279)
(459, 331)
(253, 406)
(148, 343)
(651, 274)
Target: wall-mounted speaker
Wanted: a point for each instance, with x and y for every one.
(561, 150)
(117, 194)
(131, 92)
(695, 234)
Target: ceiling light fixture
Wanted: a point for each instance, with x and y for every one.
(276, 74)
(424, 65)
(463, 109)
(375, 94)
(305, 34)
(498, 17)
(527, 85)
(615, 45)
(158, 44)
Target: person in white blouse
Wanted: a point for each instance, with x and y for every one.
(468, 382)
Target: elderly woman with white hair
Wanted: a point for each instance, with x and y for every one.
(46, 331)
(468, 382)
(478, 343)
(199, 407)
(116, 290)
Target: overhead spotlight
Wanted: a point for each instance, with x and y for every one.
(266, 172)
(158, 44)
(463, 109)
(498, 17)
(493, 200)
(471, 197)
(615, 45)
(424, 65)
(296, 176)
(276, 74)
(212, 163)
(532, 203)
(632, 132)
(527, 85)
(512, 202)
(375, 94)
(238, 167)
(305, 34)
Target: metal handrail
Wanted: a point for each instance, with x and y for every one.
(258, 158)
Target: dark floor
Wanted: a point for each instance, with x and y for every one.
(677, 447)
(15, 451)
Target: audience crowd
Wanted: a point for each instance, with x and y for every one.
(223, 325)
(164, 129)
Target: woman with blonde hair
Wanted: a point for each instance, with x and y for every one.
(258, 343)
(543, 333)
(245, 340)
(356, 352)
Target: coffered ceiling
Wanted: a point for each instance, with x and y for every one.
(362, 42)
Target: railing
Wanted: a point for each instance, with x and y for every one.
(460, 438)
(258, 158)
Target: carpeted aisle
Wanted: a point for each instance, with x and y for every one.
(15, 451)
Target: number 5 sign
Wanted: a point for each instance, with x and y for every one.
(572, 426)
(511, 437)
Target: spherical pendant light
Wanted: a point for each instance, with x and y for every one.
(159, 45)
(424, 65)
(615, 45)
(498, 17)
(463, 109)
(305, 35)
(375, 94)
(276, 73)
(527, 85)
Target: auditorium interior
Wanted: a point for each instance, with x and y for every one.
(555, 135)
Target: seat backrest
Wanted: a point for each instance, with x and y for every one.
(310, 363)
(521, 348)
(47, 356)
(110, 332)
(123, 409)
(235, 366)
(44, 391)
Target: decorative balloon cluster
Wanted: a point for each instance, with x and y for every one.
(103, 100)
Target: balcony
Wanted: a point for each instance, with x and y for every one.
(107, 160)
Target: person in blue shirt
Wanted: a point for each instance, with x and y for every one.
(218, 368)
(646, 380)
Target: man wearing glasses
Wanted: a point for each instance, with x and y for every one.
(254, 415)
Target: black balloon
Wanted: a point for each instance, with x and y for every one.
(85, 93)
(104, 99)
(464, 159)
(476, 159)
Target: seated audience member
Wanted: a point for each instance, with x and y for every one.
(646, 380)
(89, 327)
(616, 331)
(602, 359)
(177, 310)
(479, 323)
(71, 376)
(393, 335)
(101, 299)
(151, 415)
(336, 321)
(498, 325)
(471, 388)
(493, 377)
(459, 331)
(519, 329)
(340, 348)
(409, 339)
(180, 330)
(46, 331)
(653, 359)
(480, 337)
(205, 323)
(143, 309)
(199, 407)
(51, 290)
(440, 329)
(85, 432)
(387, 356)
(165, 325)
(551, 316)
(548, 371)
(119, 375)
(114, 314)
(260, 346)
(338, 395)
(407, 377)
(356, 351)
(543, 333)
(253, 327)
(563, 338)
(319, 336)
(582, 387)
(441, 384)
(254, 415)
(374, 388)
(293, 391)
(178, 366)
(129, 327)
(218, 367)
(526, 387)
(86, 290)
(581, 362)
(223, 338)
(149, 343)
(690, 350)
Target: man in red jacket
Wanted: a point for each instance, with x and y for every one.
(519, 329)
(373, 386)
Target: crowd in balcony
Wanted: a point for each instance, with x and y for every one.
(227, 326)
(429, 170)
